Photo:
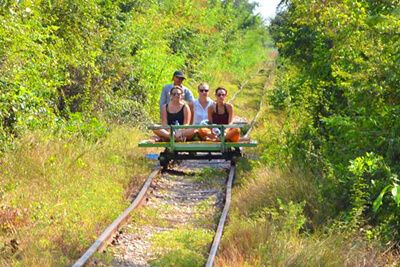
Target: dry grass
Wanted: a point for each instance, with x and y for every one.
(272, 224)
(267, 185)
(59, 194)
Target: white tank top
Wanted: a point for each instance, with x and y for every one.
(201, 113)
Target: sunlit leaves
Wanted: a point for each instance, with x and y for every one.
(346, 77)
(394, 189)
(68, 55)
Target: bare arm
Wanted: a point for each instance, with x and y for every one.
(163, 100)
(230, 112)
(210, 111)
(191, 107)
(186, 115)
(164, 120)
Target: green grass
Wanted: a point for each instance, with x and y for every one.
(59, 194)
(211, 177)
(247, 101)
(186, 247)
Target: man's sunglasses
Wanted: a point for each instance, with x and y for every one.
(203, 90)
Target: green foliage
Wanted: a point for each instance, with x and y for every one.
(369, 177)
(125, 111)
(71, 69)
(89, 128)
(63, 57)
(339, 76)
(274, 222)
(288, 217)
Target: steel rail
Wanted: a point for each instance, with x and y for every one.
(101, 242)
(221, 224)
(260, 106)
(241, 86)
(220, 228)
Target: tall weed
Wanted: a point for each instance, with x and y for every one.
(59, 194)
(276, 221)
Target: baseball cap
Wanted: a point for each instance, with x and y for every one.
(179, 74)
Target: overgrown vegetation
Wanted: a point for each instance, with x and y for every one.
(283, 211)
(75, 77)
(330, 194)
(339, 78)
(57, 193)
(325, 188)
(60, 58)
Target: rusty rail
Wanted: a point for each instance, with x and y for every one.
(103, 239)
(254, 121)
(220, 228)
(221, 224)
(241, 86)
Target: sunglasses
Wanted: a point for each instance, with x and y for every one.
(204, 90)
(175, 94)
(219, 95)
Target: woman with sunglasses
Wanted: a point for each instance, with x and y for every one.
(221, 113)
(175, 113)
(199, 107)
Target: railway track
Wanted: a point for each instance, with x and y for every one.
(185, 202)
(181, 207)
(268, 64)
(186, 199)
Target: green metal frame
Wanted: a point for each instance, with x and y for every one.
(197, 146)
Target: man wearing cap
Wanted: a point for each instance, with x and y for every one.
(178, 80)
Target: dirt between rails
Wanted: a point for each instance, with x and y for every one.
(181, 204)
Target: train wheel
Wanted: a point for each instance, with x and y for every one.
(234, 159)
(163, 161)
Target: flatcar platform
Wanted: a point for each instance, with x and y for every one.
(202, 150)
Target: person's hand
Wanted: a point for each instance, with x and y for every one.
(214, 134)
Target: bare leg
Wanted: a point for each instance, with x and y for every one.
(163, 133)
(189, 133)
(232, 134)
(206, 134)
